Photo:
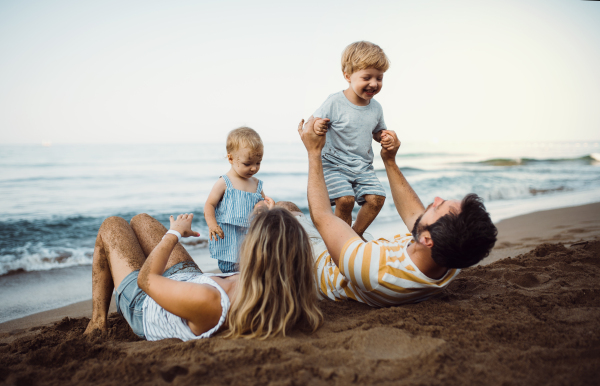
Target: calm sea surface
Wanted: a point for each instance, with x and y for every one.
(53, 199)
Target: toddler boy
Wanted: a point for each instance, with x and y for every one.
(350, 118)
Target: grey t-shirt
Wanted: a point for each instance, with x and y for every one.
(351, 130)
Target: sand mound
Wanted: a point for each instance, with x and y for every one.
(534, 319)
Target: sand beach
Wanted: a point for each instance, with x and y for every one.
(529, 314)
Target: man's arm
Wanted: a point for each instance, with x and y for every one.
(407, 203)
(334, 231)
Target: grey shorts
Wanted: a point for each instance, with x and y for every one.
(341, 182)
(130, 298)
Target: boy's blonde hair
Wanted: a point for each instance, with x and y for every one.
(362, 55)
(243, 137)
(276, 290)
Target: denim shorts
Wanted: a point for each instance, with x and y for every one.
(130, 298)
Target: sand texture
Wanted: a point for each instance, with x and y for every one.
(530, 319)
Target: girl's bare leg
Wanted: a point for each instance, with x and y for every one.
(116, 254)
(149, 232)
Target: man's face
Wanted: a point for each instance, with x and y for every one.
(438, 208)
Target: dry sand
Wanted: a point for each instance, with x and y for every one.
(527, 319)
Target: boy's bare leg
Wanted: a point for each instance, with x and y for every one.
(368, 212)
(149, 232)
(116, 254)
(343, 208)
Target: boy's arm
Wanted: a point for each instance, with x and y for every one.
(215, 195)
(407, 203)
(334, 231)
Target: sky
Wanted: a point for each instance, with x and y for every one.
(190, 71)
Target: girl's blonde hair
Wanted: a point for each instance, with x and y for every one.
(243, 137)
(276, 289)
(362, 55)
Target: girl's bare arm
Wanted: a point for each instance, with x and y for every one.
(215, 195)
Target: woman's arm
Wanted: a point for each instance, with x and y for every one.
(215, 195)
(199, 304)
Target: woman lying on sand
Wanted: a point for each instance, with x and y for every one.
(163, 294)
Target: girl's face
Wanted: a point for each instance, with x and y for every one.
(245, 162)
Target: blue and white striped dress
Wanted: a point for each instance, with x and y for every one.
(161, 324)
(232, 214)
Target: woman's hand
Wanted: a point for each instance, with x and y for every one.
(183, 225)
(269, 202)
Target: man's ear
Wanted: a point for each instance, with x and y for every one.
(425, 239)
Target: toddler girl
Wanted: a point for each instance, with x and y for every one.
(233, 197)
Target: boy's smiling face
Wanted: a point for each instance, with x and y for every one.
(364, 85)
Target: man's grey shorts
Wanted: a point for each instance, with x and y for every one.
(342, 182)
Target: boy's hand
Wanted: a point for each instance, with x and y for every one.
(386, 139)
(312, 142)
(321, 125)
(389, 153)
(214, 231)
(183, 225)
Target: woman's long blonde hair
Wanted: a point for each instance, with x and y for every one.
(276, 289)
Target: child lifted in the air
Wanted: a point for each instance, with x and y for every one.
(350, 119)
(232, 199)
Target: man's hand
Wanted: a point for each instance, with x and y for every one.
(312, 142)
(387, 141)
(389, 145)
(321, 126)
(183, 225)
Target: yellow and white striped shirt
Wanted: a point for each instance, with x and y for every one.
(379, 273)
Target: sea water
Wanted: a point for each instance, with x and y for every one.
(54, 198)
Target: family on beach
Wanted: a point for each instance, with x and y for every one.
(276, 264)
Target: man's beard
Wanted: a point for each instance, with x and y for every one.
(416, 231)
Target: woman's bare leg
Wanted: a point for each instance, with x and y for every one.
(149, 232)
(116, 254)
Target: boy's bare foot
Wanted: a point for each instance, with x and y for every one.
(101, 325)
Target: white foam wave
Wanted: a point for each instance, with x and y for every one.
(595, 156)
(36, 257)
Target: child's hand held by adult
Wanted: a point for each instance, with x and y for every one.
(183, 225)
(312, 142)
(321, 125)
(389, 145)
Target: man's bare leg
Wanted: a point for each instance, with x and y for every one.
(116, 254)
(368, 212)
(343, 208)
(149, 232)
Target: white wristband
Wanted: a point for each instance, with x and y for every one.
(172, 232)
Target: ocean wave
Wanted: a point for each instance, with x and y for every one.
(589, 159)
(37, 257)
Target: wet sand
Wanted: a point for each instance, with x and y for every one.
(530, 314)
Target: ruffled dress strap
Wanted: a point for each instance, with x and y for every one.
(259, 187)
(227, 181)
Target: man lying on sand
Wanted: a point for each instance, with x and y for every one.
(446, 236)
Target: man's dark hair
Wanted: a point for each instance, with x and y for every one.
(464, 239)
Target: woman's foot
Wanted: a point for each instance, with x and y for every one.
(101, 325)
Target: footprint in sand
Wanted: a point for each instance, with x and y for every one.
(527, 280)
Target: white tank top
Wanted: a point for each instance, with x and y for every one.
(161, 324)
